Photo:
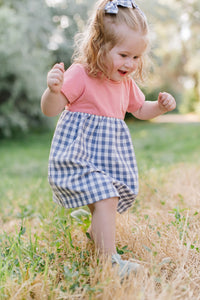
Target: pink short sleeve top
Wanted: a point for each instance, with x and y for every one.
(100, 96)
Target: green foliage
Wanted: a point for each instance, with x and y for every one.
(189, 103)
(180, 222)
(175, 50)
(70, 17)
(16, 251)
(24, 59)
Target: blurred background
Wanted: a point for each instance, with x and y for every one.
(36, 34)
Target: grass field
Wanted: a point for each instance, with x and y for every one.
(45, 253)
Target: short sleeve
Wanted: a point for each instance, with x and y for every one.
(74, 83)
(136, 97)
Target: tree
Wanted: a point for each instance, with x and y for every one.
(190, 24)
(175, 53)
(25, 28)
(69, 17)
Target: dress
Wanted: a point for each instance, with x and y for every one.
(92, 156)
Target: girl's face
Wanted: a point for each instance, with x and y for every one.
(126, 55)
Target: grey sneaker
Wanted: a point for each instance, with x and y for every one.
(125, 267)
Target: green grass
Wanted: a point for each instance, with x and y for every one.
(23, 181)
(42, 256)
(161, 144)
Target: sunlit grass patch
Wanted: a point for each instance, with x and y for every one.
(51, 257)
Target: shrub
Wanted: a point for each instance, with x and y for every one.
(24, 61)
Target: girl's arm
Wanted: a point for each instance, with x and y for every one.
(53, 101)
(152, 109)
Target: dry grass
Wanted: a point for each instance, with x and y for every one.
(162, 234)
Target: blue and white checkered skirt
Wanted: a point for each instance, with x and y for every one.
(91, 159)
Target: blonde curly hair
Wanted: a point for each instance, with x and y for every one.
(92, 46)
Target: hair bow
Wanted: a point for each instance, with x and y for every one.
(112, 6)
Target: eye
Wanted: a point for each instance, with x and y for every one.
(135, 57)
(123, 55)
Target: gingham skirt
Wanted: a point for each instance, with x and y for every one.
(91, 159)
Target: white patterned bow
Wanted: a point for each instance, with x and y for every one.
(112, 6)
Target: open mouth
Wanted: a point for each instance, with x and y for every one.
(122, 73)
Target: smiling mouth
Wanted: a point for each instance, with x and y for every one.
(122, 73)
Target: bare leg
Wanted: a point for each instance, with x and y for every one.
(103, 224)
(102, 231)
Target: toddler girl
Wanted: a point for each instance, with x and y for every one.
(92, 160)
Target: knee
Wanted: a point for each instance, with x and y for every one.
(105, 204)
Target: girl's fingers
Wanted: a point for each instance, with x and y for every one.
(167, 101)
(54, 81)
(56, 71)
(59, 67)
(62, 66)
(55, 74)
(55, 77)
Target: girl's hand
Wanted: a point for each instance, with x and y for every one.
(166, 102)
(55, 78)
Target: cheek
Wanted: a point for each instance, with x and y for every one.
(118, 61)
(109, 63)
